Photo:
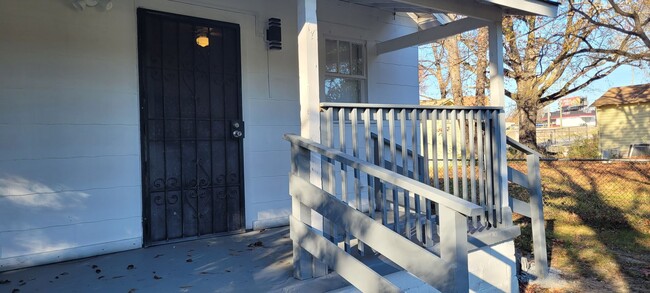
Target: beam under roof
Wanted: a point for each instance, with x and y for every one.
(537, 7)
(468, 8)
(430, 35)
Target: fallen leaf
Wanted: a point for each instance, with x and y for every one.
(256, 244)
(63, 274)
(158, 255)
(157, 277)
(227, 271)
(94, 266)
(188, 260)
(15, 291)
(2, 282)
(132, 290)
(100, 277)
(646, 272)
(117, 277)
(130, 267)
(97, 271)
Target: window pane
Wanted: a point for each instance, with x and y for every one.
(345, 90)
(356, 57)
(331, 56)
(344, 57)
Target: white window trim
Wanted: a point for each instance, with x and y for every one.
(323, 71)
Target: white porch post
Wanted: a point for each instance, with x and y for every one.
(497, 98)
(308, 70)
(309, 85)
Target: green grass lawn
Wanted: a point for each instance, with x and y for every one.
(597, 224)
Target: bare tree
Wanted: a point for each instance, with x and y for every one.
(459, 66)
(630, 19)
(550, 58)
(546, 58)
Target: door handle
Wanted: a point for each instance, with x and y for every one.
(237, 129)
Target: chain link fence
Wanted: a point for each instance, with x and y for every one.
(602, 193)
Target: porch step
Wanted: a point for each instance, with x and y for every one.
(402, 279)
(477, 238)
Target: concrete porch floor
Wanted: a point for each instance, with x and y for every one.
(257, 261)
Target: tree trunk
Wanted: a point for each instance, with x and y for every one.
(481, 66)
(451, 46)
(527, 122)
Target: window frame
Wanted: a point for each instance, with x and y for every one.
(324, 74)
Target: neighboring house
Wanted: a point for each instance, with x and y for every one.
(581, 117)
(623, 119)
(574, 111)
(159, 121)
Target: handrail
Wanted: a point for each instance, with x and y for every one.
(448, 200)
(317, 214)
(521, 147)
(398, 106)
(534, 209)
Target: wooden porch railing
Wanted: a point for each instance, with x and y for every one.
(408, 182)
(454, 149)
(534, 209)
(315, 248)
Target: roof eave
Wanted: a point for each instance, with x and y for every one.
(527, 7)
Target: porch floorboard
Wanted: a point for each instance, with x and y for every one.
(220, 264)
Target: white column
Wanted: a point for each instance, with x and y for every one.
(308, 70)
(497, 98)
(308, 75)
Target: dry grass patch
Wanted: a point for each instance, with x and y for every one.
(598, 224)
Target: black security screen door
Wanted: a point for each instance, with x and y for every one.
(190, 97)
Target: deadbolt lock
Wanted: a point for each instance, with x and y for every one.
(237, 128)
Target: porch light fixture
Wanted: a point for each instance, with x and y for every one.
(203, 41)
(202, 36)
(274, 34)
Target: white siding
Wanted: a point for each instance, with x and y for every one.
(69, 132)
(392, 77)
(70, 181)
(619, 126)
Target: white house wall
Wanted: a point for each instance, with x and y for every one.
(392, 77)
(69, 132)
(70, 179)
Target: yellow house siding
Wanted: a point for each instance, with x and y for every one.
(622, 125)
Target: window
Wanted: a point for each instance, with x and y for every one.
(344, 71)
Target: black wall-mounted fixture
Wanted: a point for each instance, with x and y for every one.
(274, 34)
